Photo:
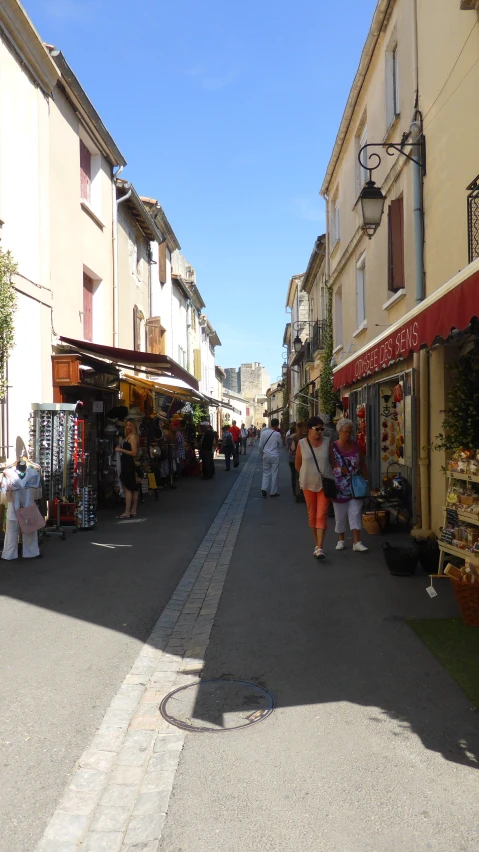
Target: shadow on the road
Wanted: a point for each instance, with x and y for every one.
(312, 633)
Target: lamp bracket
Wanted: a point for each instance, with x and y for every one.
(392, 148)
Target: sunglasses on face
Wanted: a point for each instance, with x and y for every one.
(318, 428)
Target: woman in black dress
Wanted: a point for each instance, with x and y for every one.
(128, 470)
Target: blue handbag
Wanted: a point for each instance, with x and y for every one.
(359, 486)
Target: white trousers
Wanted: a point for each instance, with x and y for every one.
(350, 511)
(10, 547)
(270, 474)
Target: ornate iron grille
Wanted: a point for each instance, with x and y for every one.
(317, 342)
(473, 219)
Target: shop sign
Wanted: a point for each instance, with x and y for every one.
(387, 351)
(453, 308)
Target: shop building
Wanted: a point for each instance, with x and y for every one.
(403, 314)
(28, 79)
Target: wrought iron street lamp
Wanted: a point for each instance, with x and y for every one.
(284, 370)
(297, 342)
(371, 199)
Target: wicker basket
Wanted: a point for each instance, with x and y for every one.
(375, 522)
(468, 600)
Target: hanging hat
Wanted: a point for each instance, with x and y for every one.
(134, 414)
(110, 428)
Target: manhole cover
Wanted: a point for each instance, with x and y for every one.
(213, 706)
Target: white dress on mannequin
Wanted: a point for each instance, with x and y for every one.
(16, 492)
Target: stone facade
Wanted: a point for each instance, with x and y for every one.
(253, 380)
(231, 380)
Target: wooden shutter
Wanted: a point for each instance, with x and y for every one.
(162, 262)
(396, 246)
(137, 318)
(87, 307)
(154, 335)
(197, 364)
(85, 172)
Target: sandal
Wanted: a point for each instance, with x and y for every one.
(122, 517)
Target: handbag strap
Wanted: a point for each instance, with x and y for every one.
(350, 473)
(267, 439)
(315, 459)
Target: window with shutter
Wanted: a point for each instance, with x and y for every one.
(138, 322)
(360, 291)
(154, 335)
(85, 172)
(88, 286)
(162, 262)
(396, 246)
(197, 364)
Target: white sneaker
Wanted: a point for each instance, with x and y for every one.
(340, 545)
(360, 547)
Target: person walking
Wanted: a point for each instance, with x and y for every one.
(227, 446)
(128, 451)
(291, 447)
(269, 446)
(244, 438)
(250, 436)
(347, 459)
(208, 442)
(236, 433)
(313, 464)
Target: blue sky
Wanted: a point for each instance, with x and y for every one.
(227, 113)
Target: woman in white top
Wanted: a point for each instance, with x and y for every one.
(312, 463)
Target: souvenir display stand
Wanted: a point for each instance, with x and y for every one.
(460, 534)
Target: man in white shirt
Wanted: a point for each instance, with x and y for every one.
(269, 446)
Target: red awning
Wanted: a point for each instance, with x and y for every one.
(453, 306)
(131, 359)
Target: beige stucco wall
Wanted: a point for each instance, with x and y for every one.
(24, 209)
(449, 100)
(133, 280)
(394, 177)
(79, 241)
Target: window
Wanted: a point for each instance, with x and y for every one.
(362, 173)
(85, 172)
(139, 330)
(88, 288)
(90, 176)
(361, 291)
(182, 356)
(338, 317)
(193, 319)
(392, 82)
(395, 246)
(334, 222)
(155, 336)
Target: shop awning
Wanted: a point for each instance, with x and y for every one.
(452, 306)
(133, 360)
(168, 386)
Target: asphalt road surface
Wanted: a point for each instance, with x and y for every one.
(71, 625)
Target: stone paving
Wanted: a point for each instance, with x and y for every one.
(117, 799)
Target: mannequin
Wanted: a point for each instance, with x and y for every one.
(20, 486)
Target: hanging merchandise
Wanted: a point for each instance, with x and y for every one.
(85, 508)
(54, 446)
(20, 487)
(361, 426)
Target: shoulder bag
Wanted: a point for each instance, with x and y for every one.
(29, 518)
(359, 486)
(329, 485)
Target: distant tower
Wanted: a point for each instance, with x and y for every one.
(231, 379)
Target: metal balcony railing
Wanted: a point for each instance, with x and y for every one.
(473, 219)
(317, 337)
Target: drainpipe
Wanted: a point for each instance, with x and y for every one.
(116, 294)
(188, 336)
(421, 358)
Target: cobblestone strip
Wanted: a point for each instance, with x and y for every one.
(118, 797)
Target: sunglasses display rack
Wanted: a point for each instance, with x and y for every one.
(53, 436)
(85, 510)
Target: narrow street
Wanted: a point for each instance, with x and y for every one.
(371, 746)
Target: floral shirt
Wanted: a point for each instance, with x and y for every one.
(345, 464)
